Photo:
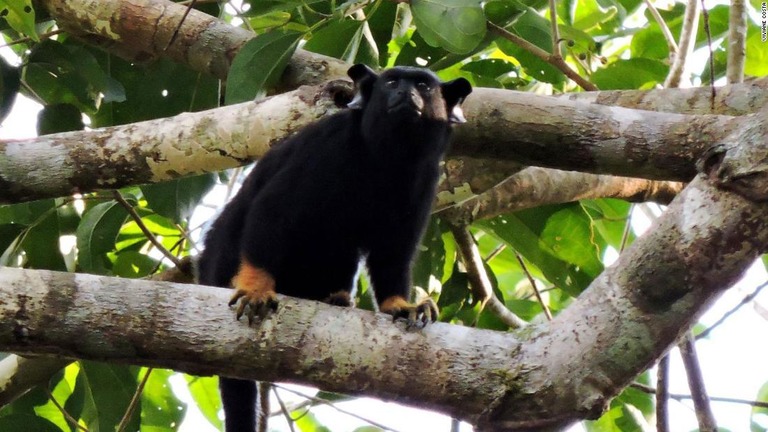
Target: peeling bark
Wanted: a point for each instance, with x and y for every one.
(157, 150)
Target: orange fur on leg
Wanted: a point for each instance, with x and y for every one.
(255, 289)
(416, 315)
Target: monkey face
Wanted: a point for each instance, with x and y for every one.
(408, 94)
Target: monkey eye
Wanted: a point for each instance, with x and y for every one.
(391, 83)
(421, 85)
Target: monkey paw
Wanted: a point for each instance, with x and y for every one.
(340, 298)
(416, 315)
(257, 303)
(255, 291)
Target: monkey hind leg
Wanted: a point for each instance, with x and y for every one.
(415, 314)
(254, 291)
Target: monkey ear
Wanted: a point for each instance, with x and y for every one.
(454, 93)
(363, 77)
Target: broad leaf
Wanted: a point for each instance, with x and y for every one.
(20, 15)
(177, 199)
(259, 64)
(96, 236)
(630, 74)
(456, 25)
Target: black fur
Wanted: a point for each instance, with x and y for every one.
(357, 184)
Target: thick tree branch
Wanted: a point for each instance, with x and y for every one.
(217, 42)
(733, 100)
(530, 129)
(139, 31)
(630, 315)
(536, 186)
(157, 150)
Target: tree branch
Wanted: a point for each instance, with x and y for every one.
(621, 323)
(139, 31)
(699, 395)
(555, 60)
(687, 41)
(536, 186)
(531, 129)
(737, 41)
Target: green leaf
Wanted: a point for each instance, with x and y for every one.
(161, 410)
(649, 43)
(20, 16)
(177, 199)
(590, 14)
(503, 12)
(536, 30)
(59, 118)
(133, 264)
(41, 242)
(96, 236)
(759, 416)
(111, 388)
(417, 52)
(261, 7)
(557, 239)
(431, 258)
(8, 235)
(69, 73)
(720, 65)
(172, 89)
(381, 22)
(756, 63)
(205, 393)
(307, 422)
(259, 64)
(25, 423)
(343, 40)
(630, 74)
(610, 218)
(456, 25)
(455, 291)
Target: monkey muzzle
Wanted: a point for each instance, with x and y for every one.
(406, 103)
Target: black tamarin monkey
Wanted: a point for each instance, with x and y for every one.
(358, 184)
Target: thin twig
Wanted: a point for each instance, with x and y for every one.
(332, 405)
(627, 229)
(680, 397)
(178, 27)
(479, 282)
(713, 95)
(533, 285)
(286, 414)
(748, 298)
(673, 50)
(662, 395)
(687, 39)
(134, 402)
(151, 237)
(262, 415)
(704, 414)
(555, 61)
(42, 37)
(71, 420)
(555, 30)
